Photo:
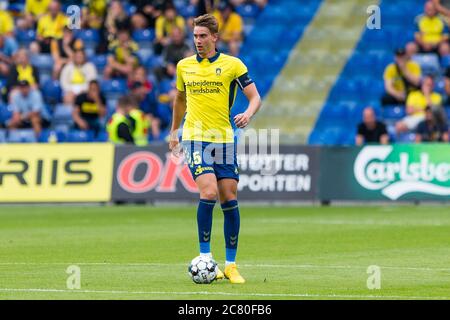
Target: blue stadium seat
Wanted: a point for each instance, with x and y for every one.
(429, 63)
(445, 61)
(5, 113)
(2, 135)
(144, 55)
(114, 88)
(144, 37)
(25, 37)
(188, 11)
(62, 113)
(99, 61)
(80, 136)
(248, 10)
(52, 92)
(45, 135)
(44, 62)
(21, 136)
(90, 37)
(102, 136)
(394, 112)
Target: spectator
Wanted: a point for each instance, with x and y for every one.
(260, 3)
(22, 70)
(7, 49)
(149, 105)
(62, 50)
(231, 27)
(116, 19)
(50, 26)
(34, 10)
(93, 14)
(123, 58)
(164, 26)
(147, 11)
(176, 50)
(89, 108)
(370, 130)
(140, 75)
(416, 103)
(139, 124)
(430, 35)
(27, 109)
(119, 126)
(76, 76)
(430, 130)
(401, 77)
(6, 24)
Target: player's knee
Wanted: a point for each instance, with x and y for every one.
(209, 194)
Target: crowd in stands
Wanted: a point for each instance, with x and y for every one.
(411, 81)
(57, 73)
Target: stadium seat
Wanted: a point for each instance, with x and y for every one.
(102, 136)
(394, 112)
(42, 61)
(144, 55)
(80, 136)
(2, 135)
(429, 63)
(25, 37)
(99, 61)
(144, 37)
(114, 88)
(188, 11)
(62, 113)
(21, 136)
(48, 135)
(248, 10)
(52, 92)
(5, 113)
(90, 37)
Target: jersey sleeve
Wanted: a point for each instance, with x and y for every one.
(241, 74)
(180, 81)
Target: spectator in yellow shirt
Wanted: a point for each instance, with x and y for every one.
(416, 104)
(231, 27)
(50, 26)
(6, 24)
(34, 10)
(401, 77)
(123, 58)
(430, 35)
(164, 25)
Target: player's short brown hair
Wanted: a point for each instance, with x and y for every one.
(208, 21)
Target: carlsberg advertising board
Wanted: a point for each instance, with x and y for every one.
(391, 172)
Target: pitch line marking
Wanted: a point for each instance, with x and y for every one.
(245, 265)
(298, 295)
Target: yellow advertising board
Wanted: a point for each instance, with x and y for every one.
(56, 172)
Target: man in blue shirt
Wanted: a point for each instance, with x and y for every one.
(28, 109)
(7, 48)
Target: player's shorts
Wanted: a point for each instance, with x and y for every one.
(209, 157)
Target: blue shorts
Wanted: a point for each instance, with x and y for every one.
(209, 157)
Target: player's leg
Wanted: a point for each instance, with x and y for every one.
(207, 186)
(231, 226)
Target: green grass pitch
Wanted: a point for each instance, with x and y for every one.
(284, 253)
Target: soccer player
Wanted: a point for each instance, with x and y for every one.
(206, 89)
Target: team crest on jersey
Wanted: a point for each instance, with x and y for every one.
(218, 71)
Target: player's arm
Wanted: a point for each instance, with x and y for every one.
(251, 92)
(179, 109)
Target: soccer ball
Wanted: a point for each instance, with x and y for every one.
(202, 270)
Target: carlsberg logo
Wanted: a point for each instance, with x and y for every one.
(401, 175)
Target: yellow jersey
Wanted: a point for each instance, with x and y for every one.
(210, 86)
(418, 101)
(432, 29)
(228, 28)
(52, 28)
(6, 22)
(36, 7)
(391, 74)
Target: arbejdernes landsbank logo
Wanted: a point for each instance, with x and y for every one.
(403, 170)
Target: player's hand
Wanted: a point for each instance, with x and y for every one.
(174, 143)
(242, 120)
